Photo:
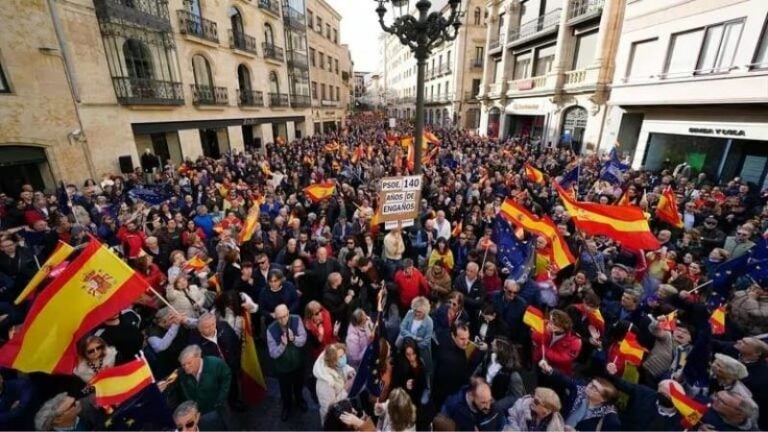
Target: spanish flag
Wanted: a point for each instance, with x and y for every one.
(95, 286)
(250, 222)
(625, 224)
(534, 318)
(411, 157)
(717, 320)
(595, 319)
(319, 192)
(543, 226)
(533, 174)
(375, 221)
(358, 153)
(213, 281)
(62, 251)
(631, 348)
(194, 264)
(406, 142)
(429, 137)
(115, 385)
(624, 199)
(457, 229)
(666, 210)
(252, 380)
(669, 323)
(690, 410)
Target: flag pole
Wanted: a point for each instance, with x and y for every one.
(162, 299)
(703, 285)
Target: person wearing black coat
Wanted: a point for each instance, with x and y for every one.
(306, 283)
(336, 298)
(453, 371)
(648, 409)
(230, 276)
(409, 374)
(470, 284)
(488, 326)
(18, 263)
(753, 353)
(500, 368)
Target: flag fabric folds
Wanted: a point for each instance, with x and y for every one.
(146, 411)
(666, 210)
(631, 348)
(520, 216)
(62, 251)
(115, 385)
(321, 191)
(512, 253)
(252, 380)
(154, 195)
(690, 410)
(367, 377)
(250, 223)
(570, 178)
(194, 264)
(717, 320)
(533, 174)
(670, 323)
(613, 170)
(534, 318)
(95, 286)
(625, 224)
(457, 229)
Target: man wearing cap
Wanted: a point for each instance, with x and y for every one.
(611, 288)
(711, 235)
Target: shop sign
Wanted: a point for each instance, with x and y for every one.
(715, 131)
(526, 107)
(250, 121)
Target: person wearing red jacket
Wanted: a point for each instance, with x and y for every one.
(561, 345)
(132, 239)
(410, 283)
(319, 324)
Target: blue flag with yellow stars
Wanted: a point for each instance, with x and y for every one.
(512, 254)
(368, 375)
(147, 411)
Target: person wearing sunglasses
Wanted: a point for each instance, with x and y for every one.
(187, 417)
(93, 355)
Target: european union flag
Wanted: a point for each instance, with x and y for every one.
(726, 273)
(760, 250)
(570, 177)
(367, 377)
(512, 254)
(613, 170)
(154, 194)
(146, 411)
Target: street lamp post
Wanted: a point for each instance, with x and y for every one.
(421, 34)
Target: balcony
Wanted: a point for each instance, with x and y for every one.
(476, 63)
(145, 13)
(249, 98)
(270, 6)
(494, 44)
(471, 96)
(142, 91)
(439, 98)
(197, 26)
(278, 100)
(243, 42)
(330, 103)
(300, 101)
(525, 84)
(582, 9)
(548, 21)
(496, 90)
(444, 69)
(293, 18)
(271, 51)
(575, 77)
(207, 95)
(298, 60)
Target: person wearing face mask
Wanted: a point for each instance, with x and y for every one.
(472, 408)
(334, 376)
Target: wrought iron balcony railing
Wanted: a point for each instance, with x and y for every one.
(144, 13)
(242, 42)
(196, 25)
(270, 6)
(208, 95)
(278, 99)
(544, 22)
(301, 101)
(580, 8)
(250, 98)
(143, 91)
(271, 51)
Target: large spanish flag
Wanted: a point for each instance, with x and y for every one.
(250, 222)
(717, 320)
(533, 174)
(95, 286)
(62, 251)
(429, 137)
(631, 348)
(252, 379)
(534, 318)
(666, 210)
(115, 385)
(321, 191)
(690, 410)
(543, 226)
(625, 224)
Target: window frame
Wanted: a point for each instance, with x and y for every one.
(762, 45)
(312, 57)
(631, 59)
(715, 71)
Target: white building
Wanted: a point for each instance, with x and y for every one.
(548, 67)
(691, 84)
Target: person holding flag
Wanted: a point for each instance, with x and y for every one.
(556, 345)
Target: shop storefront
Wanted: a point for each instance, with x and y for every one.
(526, 118)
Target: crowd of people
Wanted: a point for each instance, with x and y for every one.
(451, 350)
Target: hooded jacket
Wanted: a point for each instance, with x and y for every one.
(332, 384)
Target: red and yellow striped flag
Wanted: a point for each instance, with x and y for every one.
(625, 224)
(543, 226)
(194, 264)
(321, 191)
(457, 229)
(533, 174)
(690, 410)
(252, 380)
(595, 319)
(717, 320)
(429, 137)
(62, 251)
(670, 322)
(115, 385)
(534, 318)
(213, 281)
(95, 286)
(624, 199)
(250, 222)
(666, 210)
(631, 348)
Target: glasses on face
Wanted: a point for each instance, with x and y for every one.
(95, 349)
(188, 425)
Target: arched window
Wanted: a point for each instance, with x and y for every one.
(138, 60)
(236, 19)
(202, 71)
(274, 84)
(243, 78)
(478, 16)
(574, 125)
(269, 36)
(494, 119)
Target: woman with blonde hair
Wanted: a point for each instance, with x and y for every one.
(334, 376)
(537, 412)
(397, 413)
(186, 298)
(93, 355)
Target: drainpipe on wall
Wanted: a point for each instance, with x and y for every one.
(72, 83)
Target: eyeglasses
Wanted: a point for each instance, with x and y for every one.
(188, 425)
(95, 349)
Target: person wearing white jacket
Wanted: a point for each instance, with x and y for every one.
(188, 300)
(334, 376)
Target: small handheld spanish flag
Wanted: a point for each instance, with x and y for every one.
(533, 174)
(194, 264)
(115, 385)
(670, 323)
(717, 320)
(690, 410)
(534, 318)
(319, 192)
(632, 349)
